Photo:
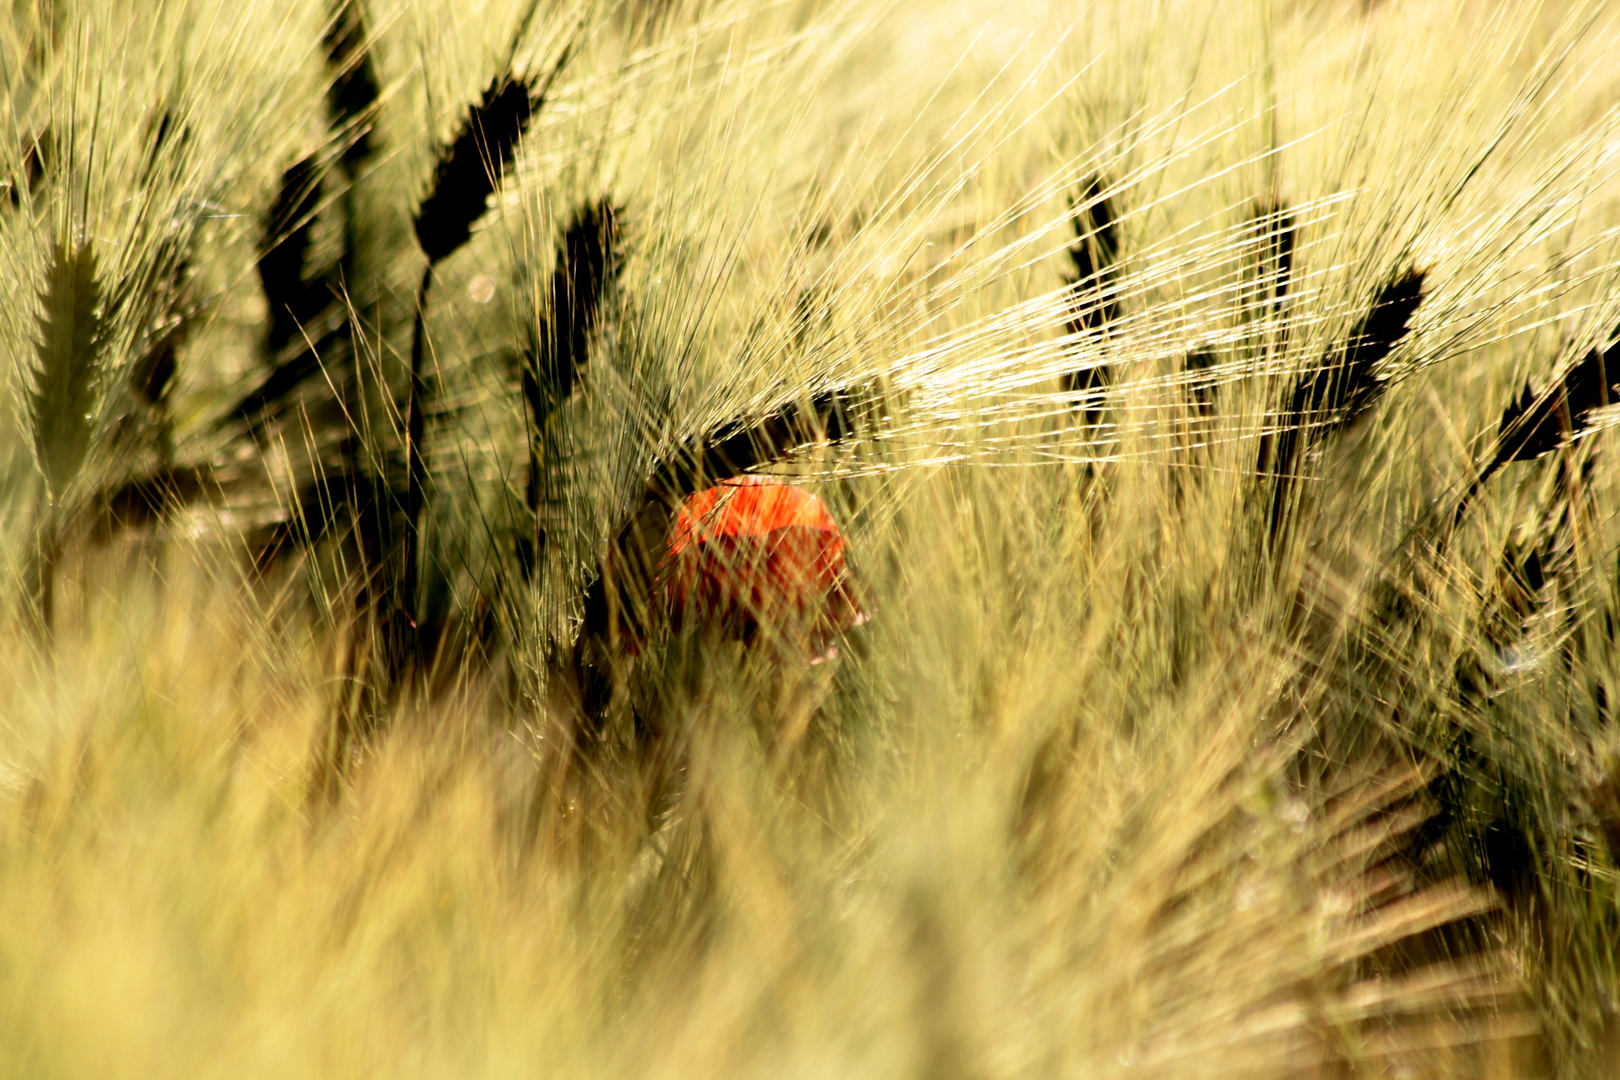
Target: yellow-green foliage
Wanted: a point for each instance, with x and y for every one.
(1120, 779)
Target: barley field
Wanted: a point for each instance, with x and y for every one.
(1181, 647)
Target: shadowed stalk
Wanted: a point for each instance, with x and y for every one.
(387, 636)
(352, 105)
(470, 167)
(416, 471)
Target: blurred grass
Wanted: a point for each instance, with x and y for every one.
(1111, 784)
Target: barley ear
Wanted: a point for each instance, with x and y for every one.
(1094, 293)
(1533, 425)
(743, 443)
(284, 252)
(470, 167)
(588, 265)
(1278, 231)
(352, 95)
(467, 173)
(62, 404)
(1333, 396)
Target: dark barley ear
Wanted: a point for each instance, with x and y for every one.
(38, 158)
(1533, 425)
(1277, 229)
(1530, 426)
(1094, 254)
(67, 367)
(744, 443)
(352, 96)
(284, 250)
(1201, 385)
(587, 264)
(1094, 291)
(470, 166)
(166, 136)
(1334, 395)
(38, 152)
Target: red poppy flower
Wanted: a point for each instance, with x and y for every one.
(755, 552)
